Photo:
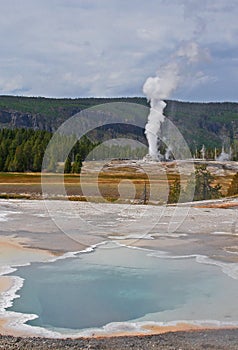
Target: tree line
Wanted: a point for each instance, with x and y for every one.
(23, 150)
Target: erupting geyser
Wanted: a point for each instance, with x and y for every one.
(159, 88)
(155, 118)
(156, 90)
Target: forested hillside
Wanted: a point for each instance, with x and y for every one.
(211, 124)
(47, 113)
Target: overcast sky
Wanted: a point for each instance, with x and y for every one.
(78, 48)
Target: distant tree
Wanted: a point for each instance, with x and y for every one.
(68, 165)
(28, 156)
(37, 162)
(19, 160)
(52, 165)
(203, 184)
(77, 165)
(233, 189)
(174, 191)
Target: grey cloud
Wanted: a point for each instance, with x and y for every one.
(108, 48)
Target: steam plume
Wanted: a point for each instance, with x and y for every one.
(161, 86)
(156, 89)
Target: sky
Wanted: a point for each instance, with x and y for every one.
(108, 48)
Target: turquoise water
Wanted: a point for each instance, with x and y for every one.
(118, 284)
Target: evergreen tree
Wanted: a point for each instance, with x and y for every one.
(37, 161)
(174, 191)
(77, 165)
(28, 155)
(68, 166)
(203, 185)
(19, 160)
(51, 167)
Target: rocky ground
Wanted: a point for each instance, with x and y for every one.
(193, 340)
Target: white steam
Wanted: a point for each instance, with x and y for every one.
(223, 157)
(193, 53)
(156, 89)
(161, 86)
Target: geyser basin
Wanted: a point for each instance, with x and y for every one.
(119, 284)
